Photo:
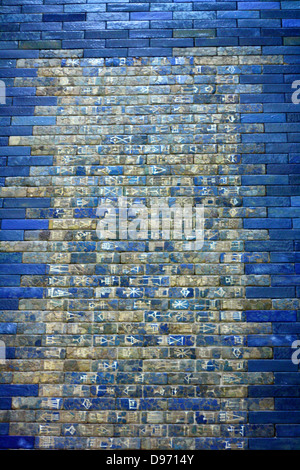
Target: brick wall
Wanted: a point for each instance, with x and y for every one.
(149, 344)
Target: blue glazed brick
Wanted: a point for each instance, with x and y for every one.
(259, 5)
(265, 138)
(291, 23)
(4, 429)
(253, 23)
(287, 403)
(280, 107)
(269, 292)
(294, 179)
(62, 34)
(282, 378)
(40, 26)
(283, 190)
(271, 365)
(268, 246)
(84, 8)
(22, 268)
(8, 329)
(194, 15)
(12, 213)
(237, 14)
(273, 391)
(281, 147)
(295, 201)
(269, 268)
(18, 390)
(296, 223)
(10, 258)
(285, 280)
(17, 110)
(14, 150)
(153, 33)
(128, 6)
(173, 42)
(283, 169)
(9, 304)
(103, 35)
(265, 179)
(241, 33)
(262, 98)
(274, 340)
(281, 50)
(274, 417)
(171, 24)
(221, 41)
(150, 52)
(12, 235)
(10, 353)
(117, 52)
(274, 444)
(5, 121)
(35, 101)
(42, 8)
(34, 160)
(13, 281)
(284, 212)
(21, 292)
(146, 16)
(97, 404)
(284, 430)
(21, 91)
(209, 444)
(290, 5)
(280, 117)
(17, 442)
(287, 327)
(117, 16)
(16, 130)
(57, 17)
(267, 223)
(284, 234)
(26, 224)
(127, 43)
(218, 5)
(26, 202)
(83, 44)
(271, 315)
(193, 404)
(20, 18)
(218, 23)
(5, 403)
(266, 201)
(84, 25)
(33, 121)
(18, 54)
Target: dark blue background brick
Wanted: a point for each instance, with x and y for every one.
(16, 442)
(18, 390)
